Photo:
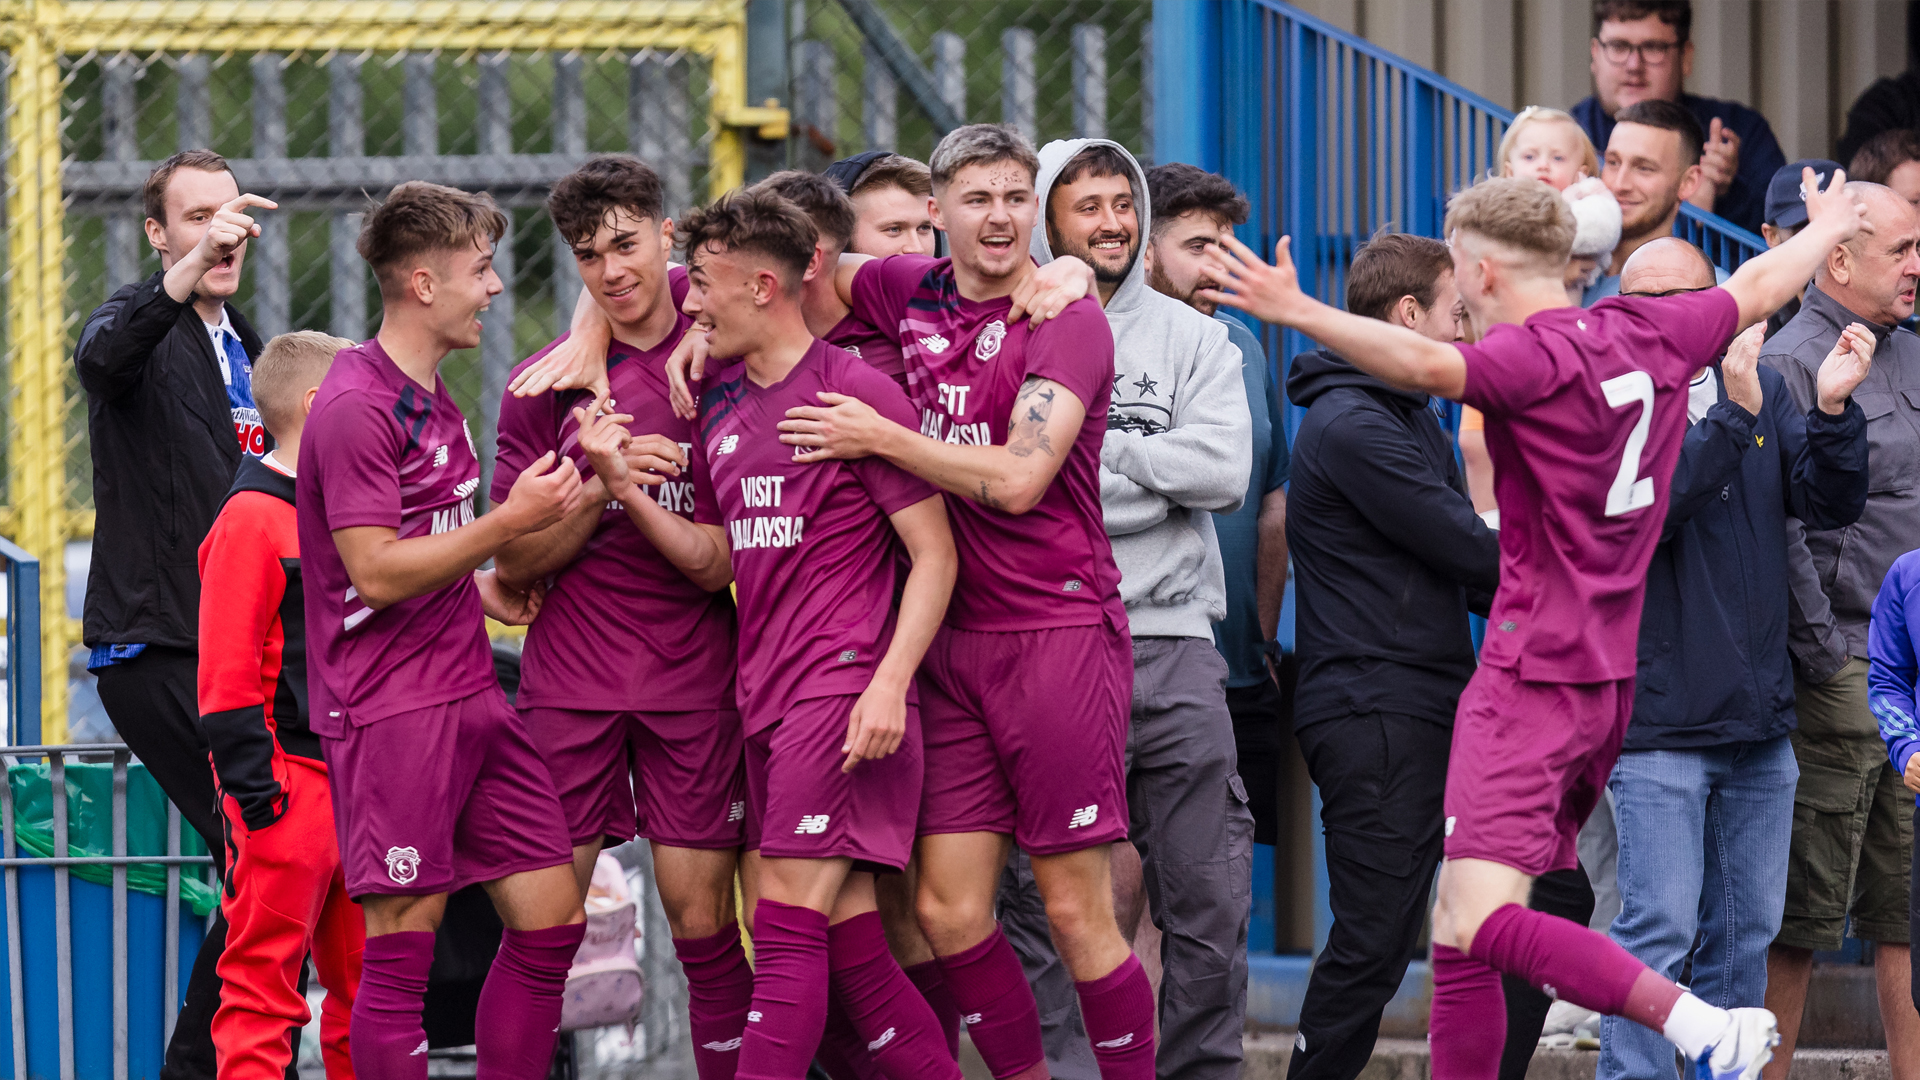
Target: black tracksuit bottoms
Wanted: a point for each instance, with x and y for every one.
(1381, 777)
(154, 702)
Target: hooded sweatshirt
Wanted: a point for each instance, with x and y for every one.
(1179, 443)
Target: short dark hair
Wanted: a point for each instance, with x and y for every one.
(756, 220)
(1394, 265)
(1668, 116)
(1885, 152)
(1096, 160)
(418, 217)
(586, 198)
(981, 144)
(895, 170)
(820, 198)
(1675, 13)
(1179, 189)
(153, 193)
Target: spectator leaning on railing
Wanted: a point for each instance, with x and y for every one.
(1852, 832)
(1703, 792)
(1642, 50)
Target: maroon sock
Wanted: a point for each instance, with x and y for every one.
(932, 984)
(719, 992)
(997, 1005)
(789, 992)
(1118, 1010)
(843, 1053)
(519, 1012)
(899, 1027)
(384, 1034)
(1568, 961)
(1468, 1024)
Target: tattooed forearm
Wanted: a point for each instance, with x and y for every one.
(987, 499)
(1031, 409)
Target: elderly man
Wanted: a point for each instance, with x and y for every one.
(1642, 50)
(1852, 836)
(1703, 791)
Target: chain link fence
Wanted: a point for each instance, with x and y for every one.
(895, 74)
(323, 107)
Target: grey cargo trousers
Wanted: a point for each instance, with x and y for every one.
(1189, 818)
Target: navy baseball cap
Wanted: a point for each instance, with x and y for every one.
(847, 171)
(1785, 207)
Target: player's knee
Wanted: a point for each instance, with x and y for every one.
(952, 924)
(1077, 917)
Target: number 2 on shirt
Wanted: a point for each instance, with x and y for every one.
(1631, 491)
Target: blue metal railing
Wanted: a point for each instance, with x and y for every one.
(1334, 138)
(23, 643)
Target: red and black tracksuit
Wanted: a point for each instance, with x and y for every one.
(285, 893)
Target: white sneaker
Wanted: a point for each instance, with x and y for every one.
(1745, 1045)
(1570, 1027)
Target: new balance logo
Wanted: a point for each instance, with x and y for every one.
(812, 824)
(1072, 585)
(737, 811)
(1115, 1044)
(440, 455)
(723, 1047)
(1084, 816)
(849, 656)
(727, 444)
(970, 1018)
(934, 343)
(418, 1050)
(753, 1017)
(885, 1038)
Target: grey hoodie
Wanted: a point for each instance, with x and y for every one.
(1179, 443)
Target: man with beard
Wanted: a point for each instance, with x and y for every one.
(1652, 165)
(1178, 446)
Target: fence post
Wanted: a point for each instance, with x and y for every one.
(1187, 75)
(657, 117)
(346, 137)
(950, 71)
(122, 144)
(420, 105)
(879, 100)
(569, 137)
(1090, 81)
(272, 295)
(1018, 104)
(193, 108)
(496, 329)
(1421, 188)
(23, 645)
(815, 109)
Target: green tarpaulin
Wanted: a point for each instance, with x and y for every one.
(90, 826)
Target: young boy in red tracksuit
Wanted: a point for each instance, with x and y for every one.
(285, 892)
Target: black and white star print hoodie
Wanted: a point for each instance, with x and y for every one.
(1179, 442)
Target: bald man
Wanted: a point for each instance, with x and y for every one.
(1712, 711)
(1852, 828)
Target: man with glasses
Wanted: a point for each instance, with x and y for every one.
(1852, 828)
(1642, 51)
(1703, 793)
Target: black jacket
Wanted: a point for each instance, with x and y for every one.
(164, 455)
(1386, 550)
(1714, 667)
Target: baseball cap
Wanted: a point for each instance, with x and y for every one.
(1785, 207)
(846, 172)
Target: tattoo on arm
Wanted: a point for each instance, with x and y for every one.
(987, 499)
(1031, 409)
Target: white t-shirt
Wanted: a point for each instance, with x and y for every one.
(1702, 392)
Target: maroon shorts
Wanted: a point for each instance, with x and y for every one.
(1528, 765)
(672, 777)
(433, 800)
(1026, 732)
(801, 806)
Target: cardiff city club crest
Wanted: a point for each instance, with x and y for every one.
(403, 864)
(988, 346)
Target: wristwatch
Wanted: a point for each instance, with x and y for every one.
(1271, 651)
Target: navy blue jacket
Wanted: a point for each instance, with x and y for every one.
(1714, 667)
(1760, 155)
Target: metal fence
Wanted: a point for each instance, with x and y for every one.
(1334, 138)
(896, 74)
(319, 104)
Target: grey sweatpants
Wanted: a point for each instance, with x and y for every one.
(1189, 818)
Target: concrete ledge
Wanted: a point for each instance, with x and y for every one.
(1406, 1059)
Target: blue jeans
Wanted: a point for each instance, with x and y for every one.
(1703, 854)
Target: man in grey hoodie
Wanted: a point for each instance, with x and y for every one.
(1178, 448)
